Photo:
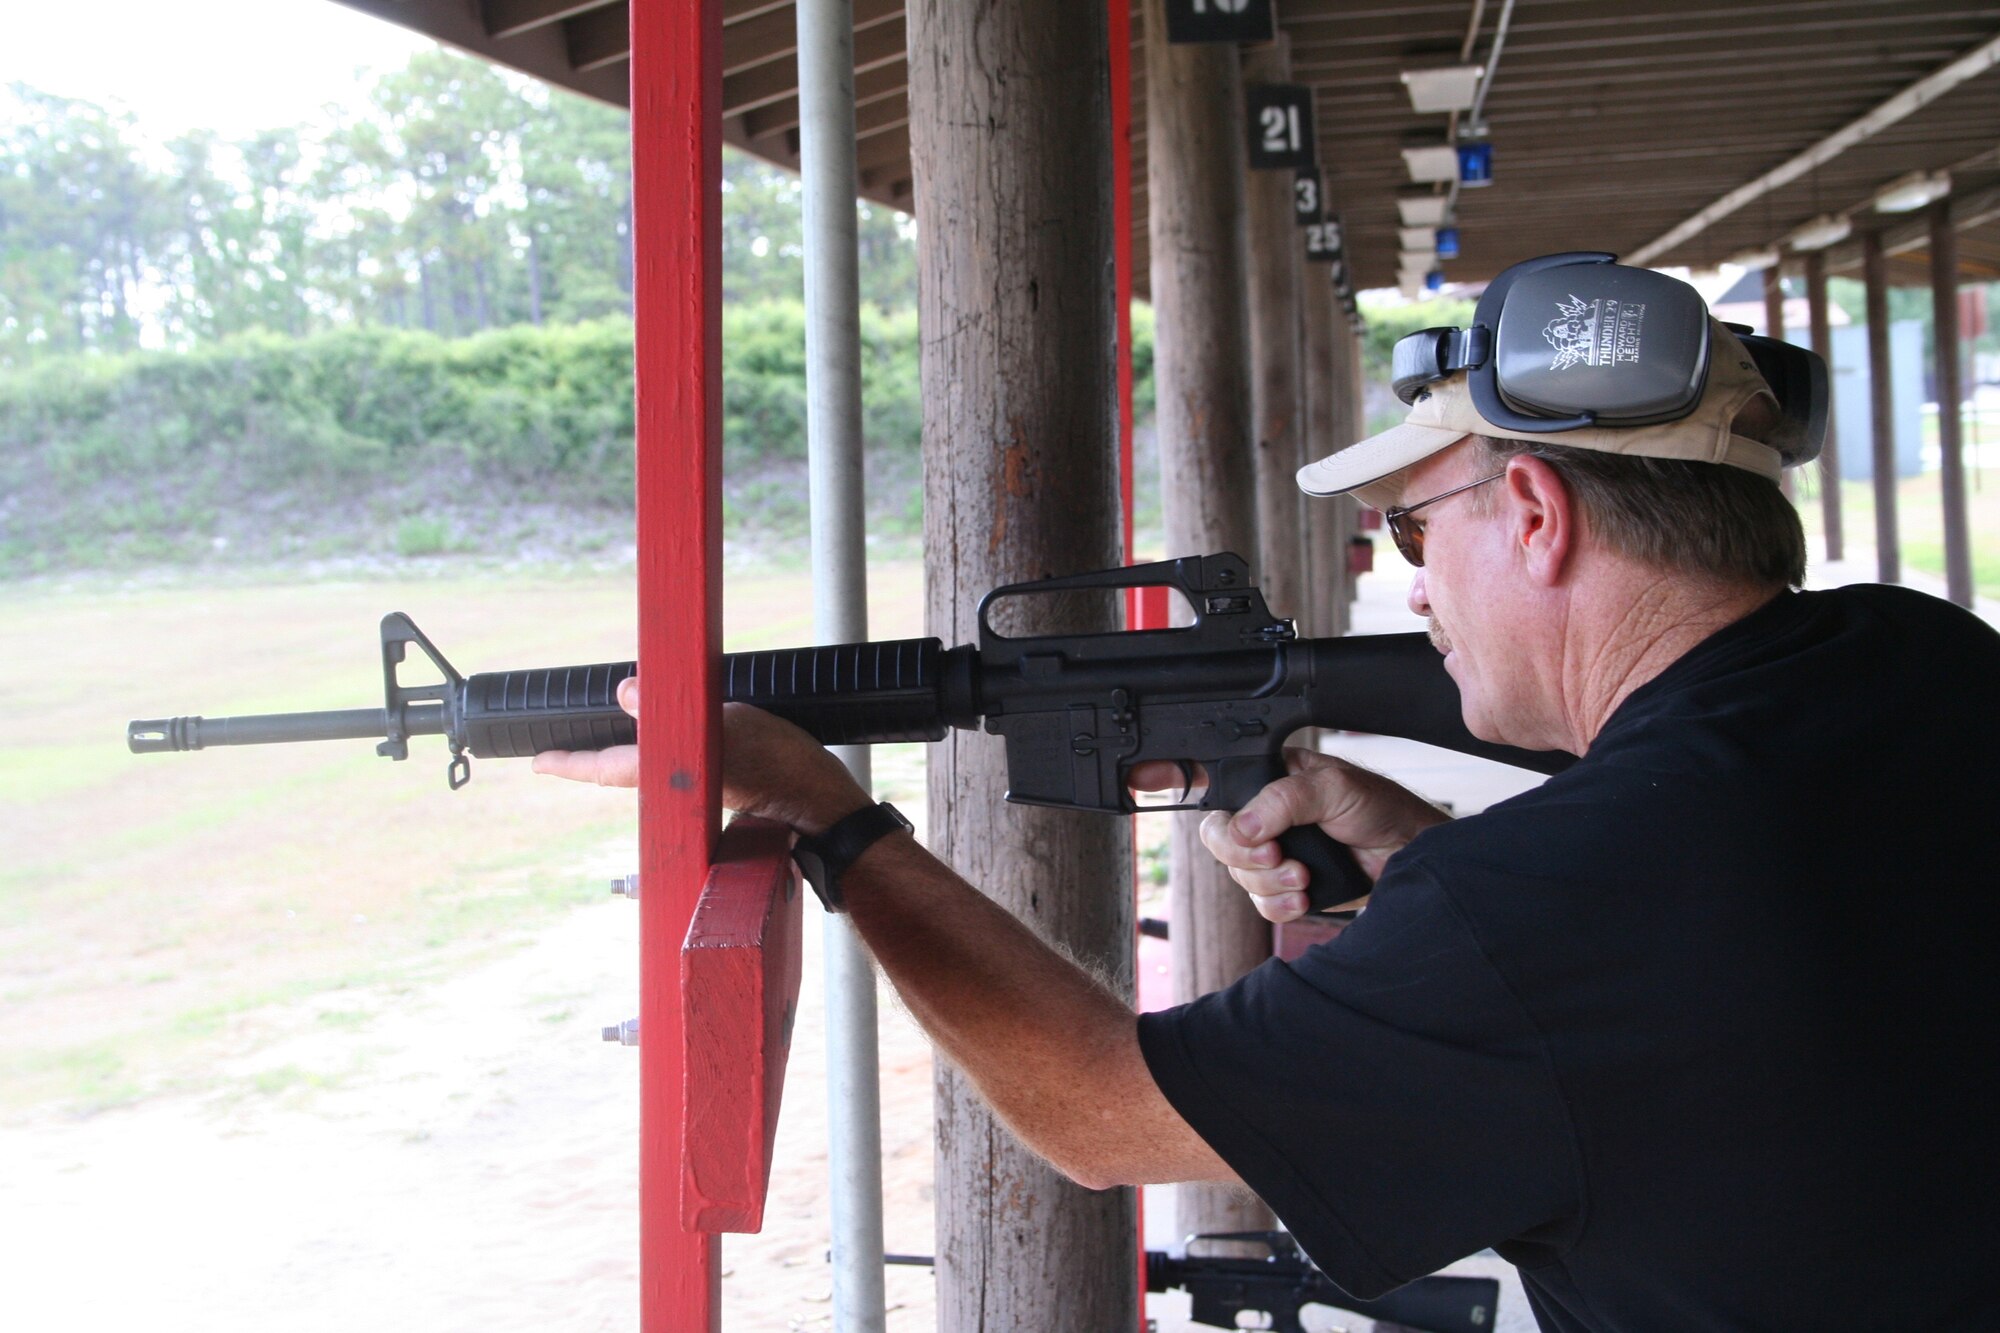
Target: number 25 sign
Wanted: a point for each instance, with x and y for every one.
(1281, 125)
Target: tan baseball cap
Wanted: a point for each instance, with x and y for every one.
(1443, 414)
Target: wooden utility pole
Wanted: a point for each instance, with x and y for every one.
(1881, 409)
(1194, 176)
(1774, 327)
(1325, 383)
(1829, 454)
(1275, 253)
(1011, 147)
(1951, 444)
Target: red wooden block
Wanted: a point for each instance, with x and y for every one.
(739, 992)
(1289, 939)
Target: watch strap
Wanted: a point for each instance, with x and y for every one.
(823, 858)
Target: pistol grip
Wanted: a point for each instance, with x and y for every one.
(1333, 875)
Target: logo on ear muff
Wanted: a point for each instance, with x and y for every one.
(1573, 332)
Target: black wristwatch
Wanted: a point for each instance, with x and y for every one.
(824, 858)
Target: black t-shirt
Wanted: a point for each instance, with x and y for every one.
(1700, 1033)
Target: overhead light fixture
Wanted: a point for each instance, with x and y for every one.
(1436, 163)
(1824, 230)
(1418, 240)
(1755, 258)
(1421, 210)
(1907, 193)
(1475, 164)
(1445, 88)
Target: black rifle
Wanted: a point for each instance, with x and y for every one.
(1285, 1282)
(1076, 711)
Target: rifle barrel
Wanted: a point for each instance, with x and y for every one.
(160, 735)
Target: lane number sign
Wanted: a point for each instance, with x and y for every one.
(1281, 125)
(1220, 21)
(1323, 241)
(1308, 201)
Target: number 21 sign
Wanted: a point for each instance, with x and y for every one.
(1281, 125)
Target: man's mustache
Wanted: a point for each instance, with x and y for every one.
(1439, 639)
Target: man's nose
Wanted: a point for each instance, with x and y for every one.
(1419, 599)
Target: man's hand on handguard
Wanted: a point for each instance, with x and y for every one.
(770, 768)
(1373, 816)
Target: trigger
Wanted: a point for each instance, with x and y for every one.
(1187, 780)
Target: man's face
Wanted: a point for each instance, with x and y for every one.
(1472, 590)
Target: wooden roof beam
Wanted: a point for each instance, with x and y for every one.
(600, 38)
(882, 83)
(775, 80)
(775, 34)
(511, 18)
(1911, 100)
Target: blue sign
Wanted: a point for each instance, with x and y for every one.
(1475, 164)
(1447, 242)
(1433, 281)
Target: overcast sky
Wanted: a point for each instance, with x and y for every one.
(229, 65)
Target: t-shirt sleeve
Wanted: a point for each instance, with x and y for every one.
(1386, 1094)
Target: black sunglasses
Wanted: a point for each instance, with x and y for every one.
(1409, 535)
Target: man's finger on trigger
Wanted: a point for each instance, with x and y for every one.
(1154, 775)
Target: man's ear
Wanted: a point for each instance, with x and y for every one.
(1542, 518)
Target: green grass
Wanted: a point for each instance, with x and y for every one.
(421, 535)
(1920, 522)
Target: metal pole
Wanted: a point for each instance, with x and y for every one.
(840, 615)
(1829, 454)
(1882, 409)
(1951, 448)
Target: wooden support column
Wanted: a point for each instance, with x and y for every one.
(677, 337)
(1195, 164)
(1276, 255)
(1774, 327)
(1881, 409)
(1951, 442)
(1829, 454)
(1324, 383)
(1011, 141)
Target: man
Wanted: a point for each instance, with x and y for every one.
(1698, 1033)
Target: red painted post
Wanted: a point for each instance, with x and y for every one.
(677, 309)
(1121, 242)
(1120, 36)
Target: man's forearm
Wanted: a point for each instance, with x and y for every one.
(1053, 1051)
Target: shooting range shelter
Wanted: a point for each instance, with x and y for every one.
(1762, 133)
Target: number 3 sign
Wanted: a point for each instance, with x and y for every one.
(1281, 125)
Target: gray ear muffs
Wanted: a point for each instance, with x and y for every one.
(1576, 339)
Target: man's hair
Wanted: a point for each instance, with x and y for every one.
(1705, 519)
